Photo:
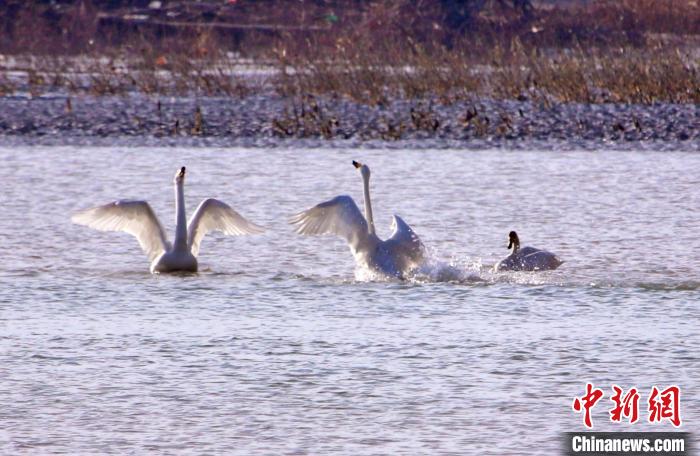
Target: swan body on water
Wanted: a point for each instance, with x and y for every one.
(397, 256)
(527, 258)
(138, 219)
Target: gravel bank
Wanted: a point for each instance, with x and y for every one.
(270, 120)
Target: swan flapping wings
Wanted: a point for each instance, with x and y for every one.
(404, 242)
(398, 255)
(134, 217)
(339, 216)
(215, 215)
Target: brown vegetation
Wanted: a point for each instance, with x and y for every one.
(629, 51)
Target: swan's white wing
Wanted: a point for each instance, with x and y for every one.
(133, 217)
(339, 216)
(404, 242)
(214, 215)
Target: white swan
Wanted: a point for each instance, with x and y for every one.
(527, 258)
(138, 219)
(396, 256)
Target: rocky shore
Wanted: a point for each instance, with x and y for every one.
(272, 120)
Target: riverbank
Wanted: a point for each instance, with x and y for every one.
(270, 119)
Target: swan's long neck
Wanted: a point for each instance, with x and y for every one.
(516, 246)
(180, 217)
(368, 206)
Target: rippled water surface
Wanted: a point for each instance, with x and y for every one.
(275, 348)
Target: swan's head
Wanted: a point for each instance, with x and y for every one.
(513, 240)
(180, 175)
(364, 169)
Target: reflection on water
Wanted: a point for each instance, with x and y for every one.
(275, 347)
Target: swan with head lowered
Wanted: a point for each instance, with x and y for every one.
(138, 219)
(527, 258)
(397, 256)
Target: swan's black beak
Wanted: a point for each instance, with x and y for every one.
(182, 171)
(510, 244)
(356, 164)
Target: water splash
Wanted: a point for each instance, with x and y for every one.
(436, 270)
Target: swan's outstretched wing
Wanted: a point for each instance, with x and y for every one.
(214, 215)
(133, 217)
(404, 242)
(339, 216)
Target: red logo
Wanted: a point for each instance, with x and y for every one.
(627, 406)
(587, 402)
(663, 405)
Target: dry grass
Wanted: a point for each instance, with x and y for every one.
(627, 75)
(122, 71)
(79, 26)
(628, 51)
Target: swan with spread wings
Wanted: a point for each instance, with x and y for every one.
(397, 256)
(138, 219)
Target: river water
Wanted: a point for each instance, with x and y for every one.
(276, 348)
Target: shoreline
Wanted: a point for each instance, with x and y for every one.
(271, 120)
(272, 144)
